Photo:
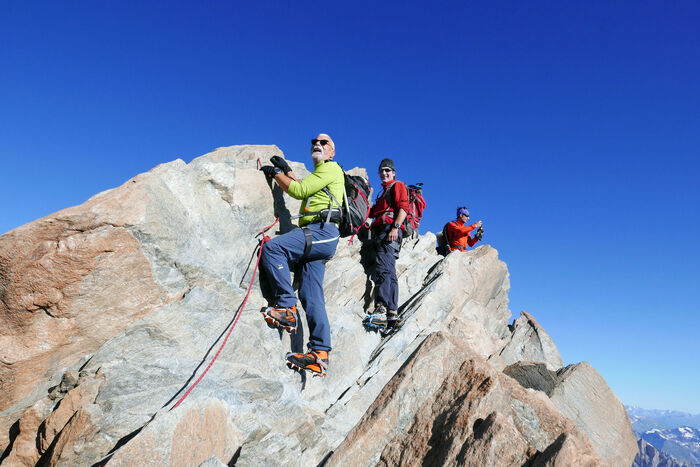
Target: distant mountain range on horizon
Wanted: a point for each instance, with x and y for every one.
(671, 432)
(646, 419)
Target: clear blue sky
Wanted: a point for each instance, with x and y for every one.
(572, 129)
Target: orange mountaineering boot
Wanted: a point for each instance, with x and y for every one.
(316, 361)
(281, 317)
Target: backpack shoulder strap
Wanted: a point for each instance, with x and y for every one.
(387, 189)
(328, 192)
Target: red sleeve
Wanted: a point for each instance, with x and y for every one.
(472, 241)
(400, 194)
(461, 229)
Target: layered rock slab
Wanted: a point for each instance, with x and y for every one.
(583, 395)
(530, 342)
(74, 279)
(139, 382)
(580, 393)
(202, 433)
(465, 413)
(533, 375)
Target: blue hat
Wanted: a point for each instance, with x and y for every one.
(462, 210)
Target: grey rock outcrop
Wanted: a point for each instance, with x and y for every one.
(583, 395)
(580, 393)
(531, 343)
(110, 309)
(467, 413)
(533, 375)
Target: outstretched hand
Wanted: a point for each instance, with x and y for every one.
(478, 224)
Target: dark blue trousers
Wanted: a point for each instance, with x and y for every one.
(385, 271)
(276, 256)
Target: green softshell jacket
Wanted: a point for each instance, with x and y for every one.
(326, 174)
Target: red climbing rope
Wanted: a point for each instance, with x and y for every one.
(264, 239)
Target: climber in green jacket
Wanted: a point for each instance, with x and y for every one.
(310, 247)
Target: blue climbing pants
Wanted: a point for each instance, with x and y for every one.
(289, 247)
(385, 272)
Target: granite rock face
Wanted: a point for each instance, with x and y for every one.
(109, 310)
(580, 393)
(583, 395)
(466, 413)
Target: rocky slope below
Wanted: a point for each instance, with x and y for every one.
(110, 309)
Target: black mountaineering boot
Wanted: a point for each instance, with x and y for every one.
(316, 361)
(375, 320)
(392, 317)
(379, 309)
(378, 317)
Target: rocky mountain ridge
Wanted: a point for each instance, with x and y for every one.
(646, 419)
(649, 456)
(672, 433)
(109, 309)
(682, 442)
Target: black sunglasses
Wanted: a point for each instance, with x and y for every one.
(383, 169)
(322, 141)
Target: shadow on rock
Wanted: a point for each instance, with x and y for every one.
(281, 209)
(368, 251)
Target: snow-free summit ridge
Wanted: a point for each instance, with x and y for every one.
(110, 308)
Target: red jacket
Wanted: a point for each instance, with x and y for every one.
(458, 237)
(387, 205)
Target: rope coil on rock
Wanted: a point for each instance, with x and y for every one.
(239, 312)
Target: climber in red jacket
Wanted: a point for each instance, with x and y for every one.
(389, 212)
(457, 233)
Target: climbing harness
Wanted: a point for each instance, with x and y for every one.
(308, 243)
(264, 238)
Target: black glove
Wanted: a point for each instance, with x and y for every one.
(270, 171)
(277, 161)
(479, 233)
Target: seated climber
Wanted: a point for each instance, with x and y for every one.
(389, 212)
(456, 233)
(310, 247)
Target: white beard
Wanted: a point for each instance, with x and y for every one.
(318, 156)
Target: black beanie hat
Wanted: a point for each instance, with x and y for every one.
(387, 163)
